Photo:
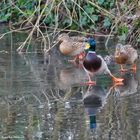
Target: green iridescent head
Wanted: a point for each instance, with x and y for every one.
(90, 45)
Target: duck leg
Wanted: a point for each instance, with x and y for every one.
(77, 58)
(116, 80)
(90, 82)
(73, 60)
(81, 56)
(122, 69)
(134, 68)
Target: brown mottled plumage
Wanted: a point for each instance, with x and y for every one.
(126, 54)
(121, 59)
(71, 46)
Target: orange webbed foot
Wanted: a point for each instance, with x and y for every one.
(118, 81)
(118, 84)
(81, 56)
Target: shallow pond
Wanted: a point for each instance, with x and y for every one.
(42, 98)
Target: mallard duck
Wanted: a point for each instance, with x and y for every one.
(126, 54)
(95, 64)
(75, 46)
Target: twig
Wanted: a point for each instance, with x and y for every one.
(117, 20)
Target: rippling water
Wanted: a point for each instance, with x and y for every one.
(42, 98)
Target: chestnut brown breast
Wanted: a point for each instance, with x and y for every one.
(121, 59)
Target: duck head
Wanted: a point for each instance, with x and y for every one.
(91, 44)
(120, 49)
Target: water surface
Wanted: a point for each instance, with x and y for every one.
(42, 98)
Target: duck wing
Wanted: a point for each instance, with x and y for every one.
(77, 47)
(132, 53)
(78, 38)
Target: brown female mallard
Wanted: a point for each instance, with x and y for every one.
(126, 54)
(74, 46)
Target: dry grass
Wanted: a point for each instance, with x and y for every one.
(35, 23)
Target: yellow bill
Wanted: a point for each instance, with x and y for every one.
(87, 46)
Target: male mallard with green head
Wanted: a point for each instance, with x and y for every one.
(95, 64)
(74, 46)
(126, 54)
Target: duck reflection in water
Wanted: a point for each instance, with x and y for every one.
(94, 100)
(70, 76)
(130, 85)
